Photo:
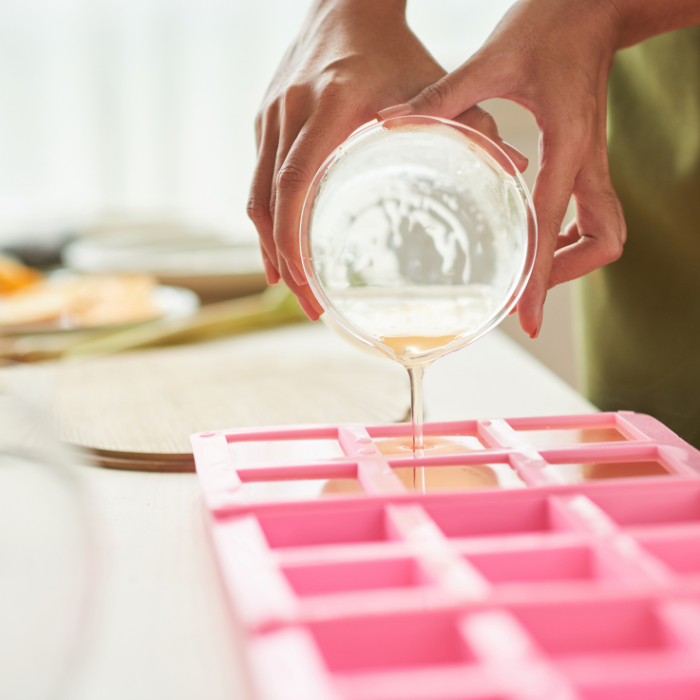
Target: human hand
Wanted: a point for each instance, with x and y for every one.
(351, 59)
(553, 58)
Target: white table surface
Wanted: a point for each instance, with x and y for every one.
(162, 628)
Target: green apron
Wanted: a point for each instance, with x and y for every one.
(640, 320)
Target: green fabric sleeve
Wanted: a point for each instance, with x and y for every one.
(640, 316)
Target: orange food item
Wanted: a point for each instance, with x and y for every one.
(15, 276)
(82, 301)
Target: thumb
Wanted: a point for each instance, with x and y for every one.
(453, 94)
(480, 120)
(476, 118)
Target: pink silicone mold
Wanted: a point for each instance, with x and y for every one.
(552, 558)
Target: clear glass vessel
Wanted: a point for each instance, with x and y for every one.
(418, 236)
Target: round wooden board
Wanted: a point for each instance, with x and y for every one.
(137, 410)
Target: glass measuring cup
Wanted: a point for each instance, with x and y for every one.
(418, 236)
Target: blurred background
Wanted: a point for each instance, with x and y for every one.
(126, 146)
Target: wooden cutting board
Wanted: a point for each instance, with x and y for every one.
(136, 410)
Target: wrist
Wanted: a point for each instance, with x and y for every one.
(613, 22)
(637, 20)
(354, 18)
(359, 7)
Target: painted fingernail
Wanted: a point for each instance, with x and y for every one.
(514, 150)
(297, 273)
(271, 275)
(308, 309)
(401, 110)
(516, 156)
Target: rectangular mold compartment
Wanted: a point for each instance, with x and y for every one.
(468, 477)
(541, 565)
(363, 575)
(594, 627)
(327, 526)
(473, 516)
(650, 504)
(280, 490)
(252, 452)
(680, 553)
(561, 431)
(599, 470)
(385, 642)
(645, 689)
(433, 445)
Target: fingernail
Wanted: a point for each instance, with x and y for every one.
(296, 272)
(308, 309)
(271, 275)
(401, 110)
(515, 154)
(537, 332)
(513, 311)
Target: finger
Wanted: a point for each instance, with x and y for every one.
(519, 159)
(474, 81)
(551, 195)
(569, 237)
(315, 141)
(295, 112)
(292, 124)
(258, 207)
(258, 131)
(312, 308)
(479, 119)
(600, 226)
(309, 309)
(455, 95)
(272, 276)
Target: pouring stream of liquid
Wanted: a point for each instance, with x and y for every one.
(415, 373)
(407, 350)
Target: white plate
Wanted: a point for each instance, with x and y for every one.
(162, 253)
(211, 264)
(173, 302)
